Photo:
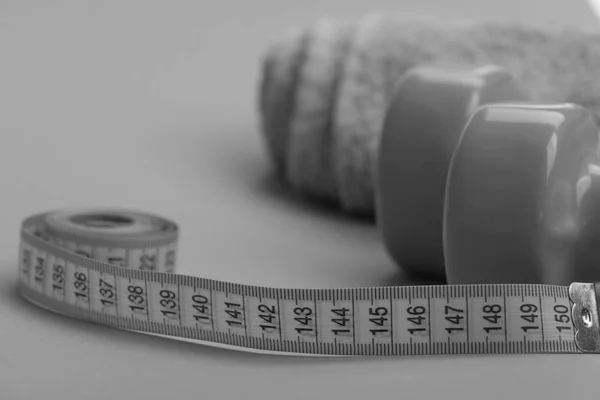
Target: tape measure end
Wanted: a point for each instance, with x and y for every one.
(584, 314)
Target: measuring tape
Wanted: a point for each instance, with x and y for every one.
(115, 268)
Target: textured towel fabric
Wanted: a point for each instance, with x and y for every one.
(277, 93)
(309, 167)
(325, 89)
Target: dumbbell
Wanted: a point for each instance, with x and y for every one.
(477, 185)
(325, 86)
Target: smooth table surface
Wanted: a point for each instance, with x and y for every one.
(151, 105)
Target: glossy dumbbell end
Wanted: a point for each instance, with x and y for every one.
(422, 126)
(522, 203)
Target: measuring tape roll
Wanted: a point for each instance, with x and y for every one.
(113, 267)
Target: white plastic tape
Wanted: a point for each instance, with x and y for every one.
(114, 268)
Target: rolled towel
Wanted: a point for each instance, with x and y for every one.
(325, 89)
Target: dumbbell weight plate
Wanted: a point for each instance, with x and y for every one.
(521, 204)
(423, 123)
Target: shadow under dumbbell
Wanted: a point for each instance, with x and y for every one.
(269, 184)
(404, 278)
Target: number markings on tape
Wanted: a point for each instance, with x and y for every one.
(131, 294)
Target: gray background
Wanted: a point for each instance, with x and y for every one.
(151, 105)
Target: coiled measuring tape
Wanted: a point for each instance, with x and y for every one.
(115, 268)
